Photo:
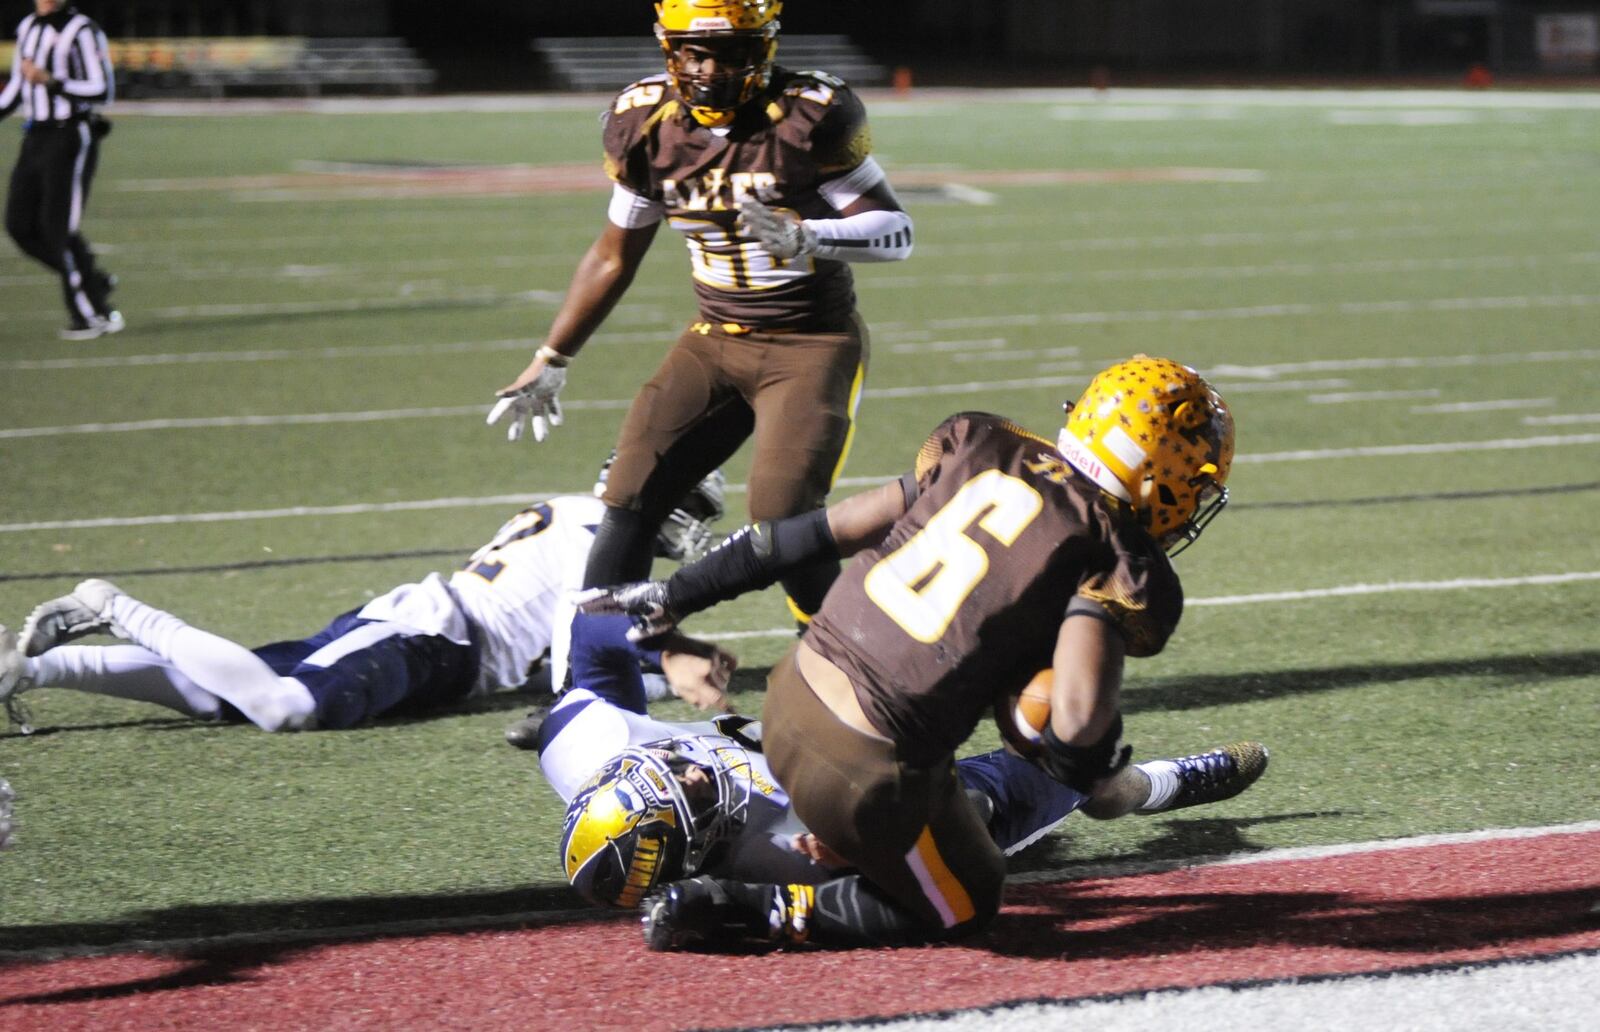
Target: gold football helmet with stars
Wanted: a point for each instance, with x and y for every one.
(719, 52)
(1155, 434)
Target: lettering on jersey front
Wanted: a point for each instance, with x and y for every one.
(718, 190)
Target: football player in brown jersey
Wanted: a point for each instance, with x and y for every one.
(1002, 554)
(768, 175)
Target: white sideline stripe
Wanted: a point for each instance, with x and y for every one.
(599, 404)
(467, 502)
(1338, 591)
(1123, 869)
(1081, 872)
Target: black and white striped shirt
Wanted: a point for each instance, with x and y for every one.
(71, 47)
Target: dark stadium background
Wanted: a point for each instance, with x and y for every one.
(484, 44)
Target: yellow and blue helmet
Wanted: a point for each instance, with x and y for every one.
(653, 814)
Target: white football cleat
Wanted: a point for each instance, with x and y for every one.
(14, 680)
(86, 611)
(113, 322)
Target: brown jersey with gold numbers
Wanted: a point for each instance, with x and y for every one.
(808, 128)
(964, 599)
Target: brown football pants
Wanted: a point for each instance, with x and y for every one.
(911, 831)
(796, 392)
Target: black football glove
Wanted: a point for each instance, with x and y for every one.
(1080, 766)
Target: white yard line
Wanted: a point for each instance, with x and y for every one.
(1436, 448)
(1070, 872)
(1285, 310)
(1570, 419)
(601, 404)
(465, 502)
(1307, 595)
(1495, 405)
(1345, 397)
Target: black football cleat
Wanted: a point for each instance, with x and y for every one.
(524, 734)
(716, 915)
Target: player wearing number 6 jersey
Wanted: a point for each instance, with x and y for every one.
(1002, 554)
(416, 648)
(767, 173)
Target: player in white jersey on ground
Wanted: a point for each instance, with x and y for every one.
(418, 647)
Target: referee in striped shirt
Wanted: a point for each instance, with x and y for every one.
(60, 75)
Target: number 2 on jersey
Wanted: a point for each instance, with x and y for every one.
(533, 520)
(921, 584)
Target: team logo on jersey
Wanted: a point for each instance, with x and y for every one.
(1050, 467)
(719, 190)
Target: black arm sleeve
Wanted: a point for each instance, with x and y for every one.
(749, 559)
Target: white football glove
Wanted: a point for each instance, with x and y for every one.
(782, 236)
(536, 404)
(644, 603)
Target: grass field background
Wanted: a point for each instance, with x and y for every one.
(1396, 294)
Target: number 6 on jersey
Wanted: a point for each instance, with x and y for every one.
(922, 583)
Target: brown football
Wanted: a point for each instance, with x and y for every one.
(1023, 715)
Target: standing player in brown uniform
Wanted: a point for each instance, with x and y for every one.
(767, 173)
(1002, 554)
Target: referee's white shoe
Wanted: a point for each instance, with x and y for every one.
(98, 326)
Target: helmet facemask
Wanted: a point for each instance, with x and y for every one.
(686, 533)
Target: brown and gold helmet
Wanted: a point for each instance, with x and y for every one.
(1155, 434)
(719, 52)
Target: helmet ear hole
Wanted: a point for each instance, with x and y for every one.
(1165, 494)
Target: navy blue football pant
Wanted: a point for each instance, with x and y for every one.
(369, 668)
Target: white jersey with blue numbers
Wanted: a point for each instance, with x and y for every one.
(511, 597)
(591, 732)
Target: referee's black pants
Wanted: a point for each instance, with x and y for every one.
(49, 192)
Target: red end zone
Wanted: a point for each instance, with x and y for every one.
(1362, 912)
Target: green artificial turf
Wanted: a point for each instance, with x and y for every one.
(1349, 281)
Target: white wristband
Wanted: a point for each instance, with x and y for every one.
(552, 357)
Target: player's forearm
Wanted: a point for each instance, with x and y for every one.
(749, 559)
(603, 276)
(870, 236)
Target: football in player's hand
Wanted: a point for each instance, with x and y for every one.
(1023, 715)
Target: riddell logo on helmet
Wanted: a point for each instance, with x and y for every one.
(710, 25)
(1075, 452)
